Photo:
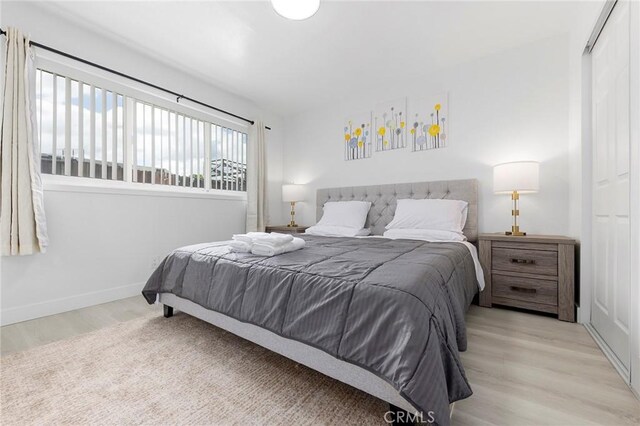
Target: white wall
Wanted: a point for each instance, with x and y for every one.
(103, 243)
(512, 105)
(104, 246)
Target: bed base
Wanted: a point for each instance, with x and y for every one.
(168, 311)
(401, 412)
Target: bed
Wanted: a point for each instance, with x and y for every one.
(384, 316)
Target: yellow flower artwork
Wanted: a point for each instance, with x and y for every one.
(390, 122)
(357, 137)
(429, 127)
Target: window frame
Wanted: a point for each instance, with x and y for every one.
(51, 63)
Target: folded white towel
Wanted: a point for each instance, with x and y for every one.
(239, 246)
(249, 236)
(273, 239)
(269, 250)
(243, 239)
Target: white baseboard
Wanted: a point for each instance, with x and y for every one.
(613, 359)
(57, 306)
(635, 393)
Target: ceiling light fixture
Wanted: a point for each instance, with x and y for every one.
(296, 10)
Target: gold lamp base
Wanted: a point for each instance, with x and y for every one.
(515, 212)
(515, 231)
(293, 223)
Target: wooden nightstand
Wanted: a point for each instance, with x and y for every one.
(284, 229)
(533, 272)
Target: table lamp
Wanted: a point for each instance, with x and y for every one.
(292, 193)
(520, 177)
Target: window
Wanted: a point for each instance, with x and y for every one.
(94, 132)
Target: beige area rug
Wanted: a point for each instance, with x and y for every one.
(172, 371)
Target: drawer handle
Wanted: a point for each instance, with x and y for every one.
(524, 261)
(523, 289)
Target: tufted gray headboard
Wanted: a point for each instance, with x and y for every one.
(383, 200)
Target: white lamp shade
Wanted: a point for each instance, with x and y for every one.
(296, 9)
(292, 193)
(521, 176)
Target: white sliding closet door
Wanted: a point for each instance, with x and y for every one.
(611, 301)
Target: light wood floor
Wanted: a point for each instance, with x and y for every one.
(527, 369)
(29, 334)
(524, 369)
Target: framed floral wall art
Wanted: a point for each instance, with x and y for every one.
(357, 136)
(389, 125)
(429, 123)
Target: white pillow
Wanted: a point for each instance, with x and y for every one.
(445, 215)
(336, 231)
(350, 214)
(424, 235)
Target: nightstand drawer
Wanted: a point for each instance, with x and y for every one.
(526, 261)
(537, 291)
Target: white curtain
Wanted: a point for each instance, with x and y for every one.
(256, 178)
(23, 227)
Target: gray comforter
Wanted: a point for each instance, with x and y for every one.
(394, 307)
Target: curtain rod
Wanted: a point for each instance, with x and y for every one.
(137, 80)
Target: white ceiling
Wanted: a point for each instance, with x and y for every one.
(287, 66)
